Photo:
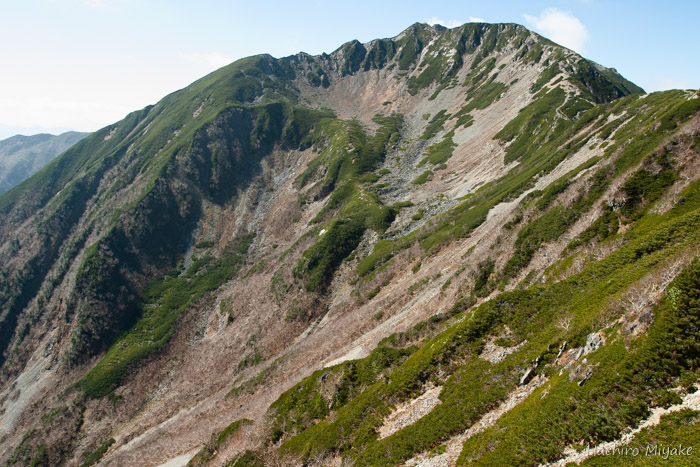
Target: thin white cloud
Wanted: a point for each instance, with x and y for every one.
(561, 27)
(211, 59)
(476, 19)
(452, 23)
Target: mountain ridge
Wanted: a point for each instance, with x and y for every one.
(152, 245)
(21, 156)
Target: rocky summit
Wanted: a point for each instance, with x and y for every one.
(452, 247)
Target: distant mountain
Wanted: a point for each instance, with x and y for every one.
(23, 156)
(464, 246)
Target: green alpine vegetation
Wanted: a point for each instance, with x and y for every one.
(209, 452)
(438, 153)
(166, 298)
(95, 456)
(354, 207)
(534, 314)
(552, 147)
(607, 403)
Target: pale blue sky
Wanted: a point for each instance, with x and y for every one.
(82, 64)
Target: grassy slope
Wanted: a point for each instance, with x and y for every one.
(475, 386)
(150, 139)
(540, 148)
(166, 299)
(608, 402)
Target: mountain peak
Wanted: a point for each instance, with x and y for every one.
(314, 258)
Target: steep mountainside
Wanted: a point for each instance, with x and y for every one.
(23, 156)
(454, 246)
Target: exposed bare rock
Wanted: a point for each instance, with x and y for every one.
(494, 353)
(453, 446)
(409, 412)
(594, 341)
(572, 456)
